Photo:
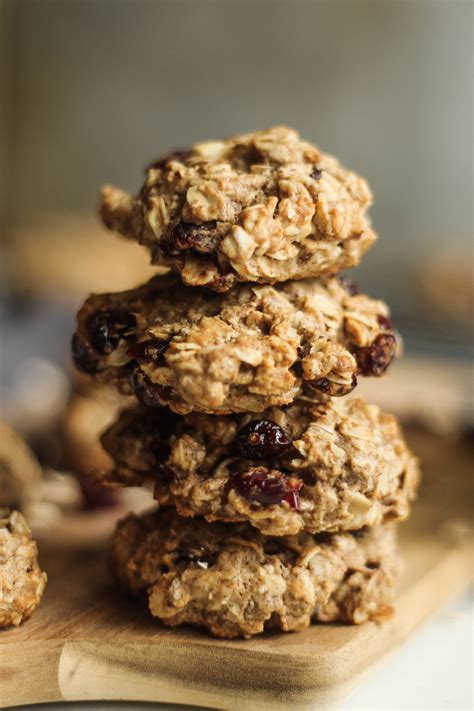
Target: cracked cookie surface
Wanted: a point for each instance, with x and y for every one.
(262, 207)
(310, 466)
(21, 581)
(234, 582)
(253, 347)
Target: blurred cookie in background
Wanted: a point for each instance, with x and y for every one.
(90, 411)
(32, 402)
(20, 471)
(432, 394)
(65, 256)
(50, 451)
(42, 495)
(447, 284)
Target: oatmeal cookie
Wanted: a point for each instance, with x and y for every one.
(63, 257)
(21, 581)
(263, 207)
(20, 471)
(312, 466)
(253, 347)
(91, 409)
(234, 582)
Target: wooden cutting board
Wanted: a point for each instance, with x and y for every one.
(88, 642)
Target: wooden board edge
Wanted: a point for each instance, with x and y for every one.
(94, 670)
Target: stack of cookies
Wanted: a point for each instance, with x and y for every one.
(277, 493)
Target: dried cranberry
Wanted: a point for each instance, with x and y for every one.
(385, 323)
(223, 282)
(293, 499)
(149, 393)
(316, 173)
(167, 246)
(151, 349)
(108, 327)
(329, 387)
(95, 496)
(375, 359)
(162, 162)
(186, 236)
(349, 285)
(261, 439)
(267, 486)
(84, 356)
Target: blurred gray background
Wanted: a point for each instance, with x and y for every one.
(93, 90)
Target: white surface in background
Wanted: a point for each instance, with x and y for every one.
(433, 671)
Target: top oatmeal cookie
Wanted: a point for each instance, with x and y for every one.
(263, 207)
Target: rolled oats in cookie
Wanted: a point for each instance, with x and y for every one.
(313, 466)
(234, 582)
(21, 581)
(262, 207)
(254, 347)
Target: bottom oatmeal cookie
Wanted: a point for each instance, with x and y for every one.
(21, 581)
(234, 582)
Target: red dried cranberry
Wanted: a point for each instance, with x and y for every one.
(186, 236)
(293, 499)
(329, 387)
(385, 323)
(107, 327)
(375, 359)
(167, 246)
(349, 285)
(316, 173)
(261, 439)
(151, 349)
(95, 496)
(84, 356)
(267, 486)
(223, 282)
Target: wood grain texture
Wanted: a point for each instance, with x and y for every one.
(88, 642)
